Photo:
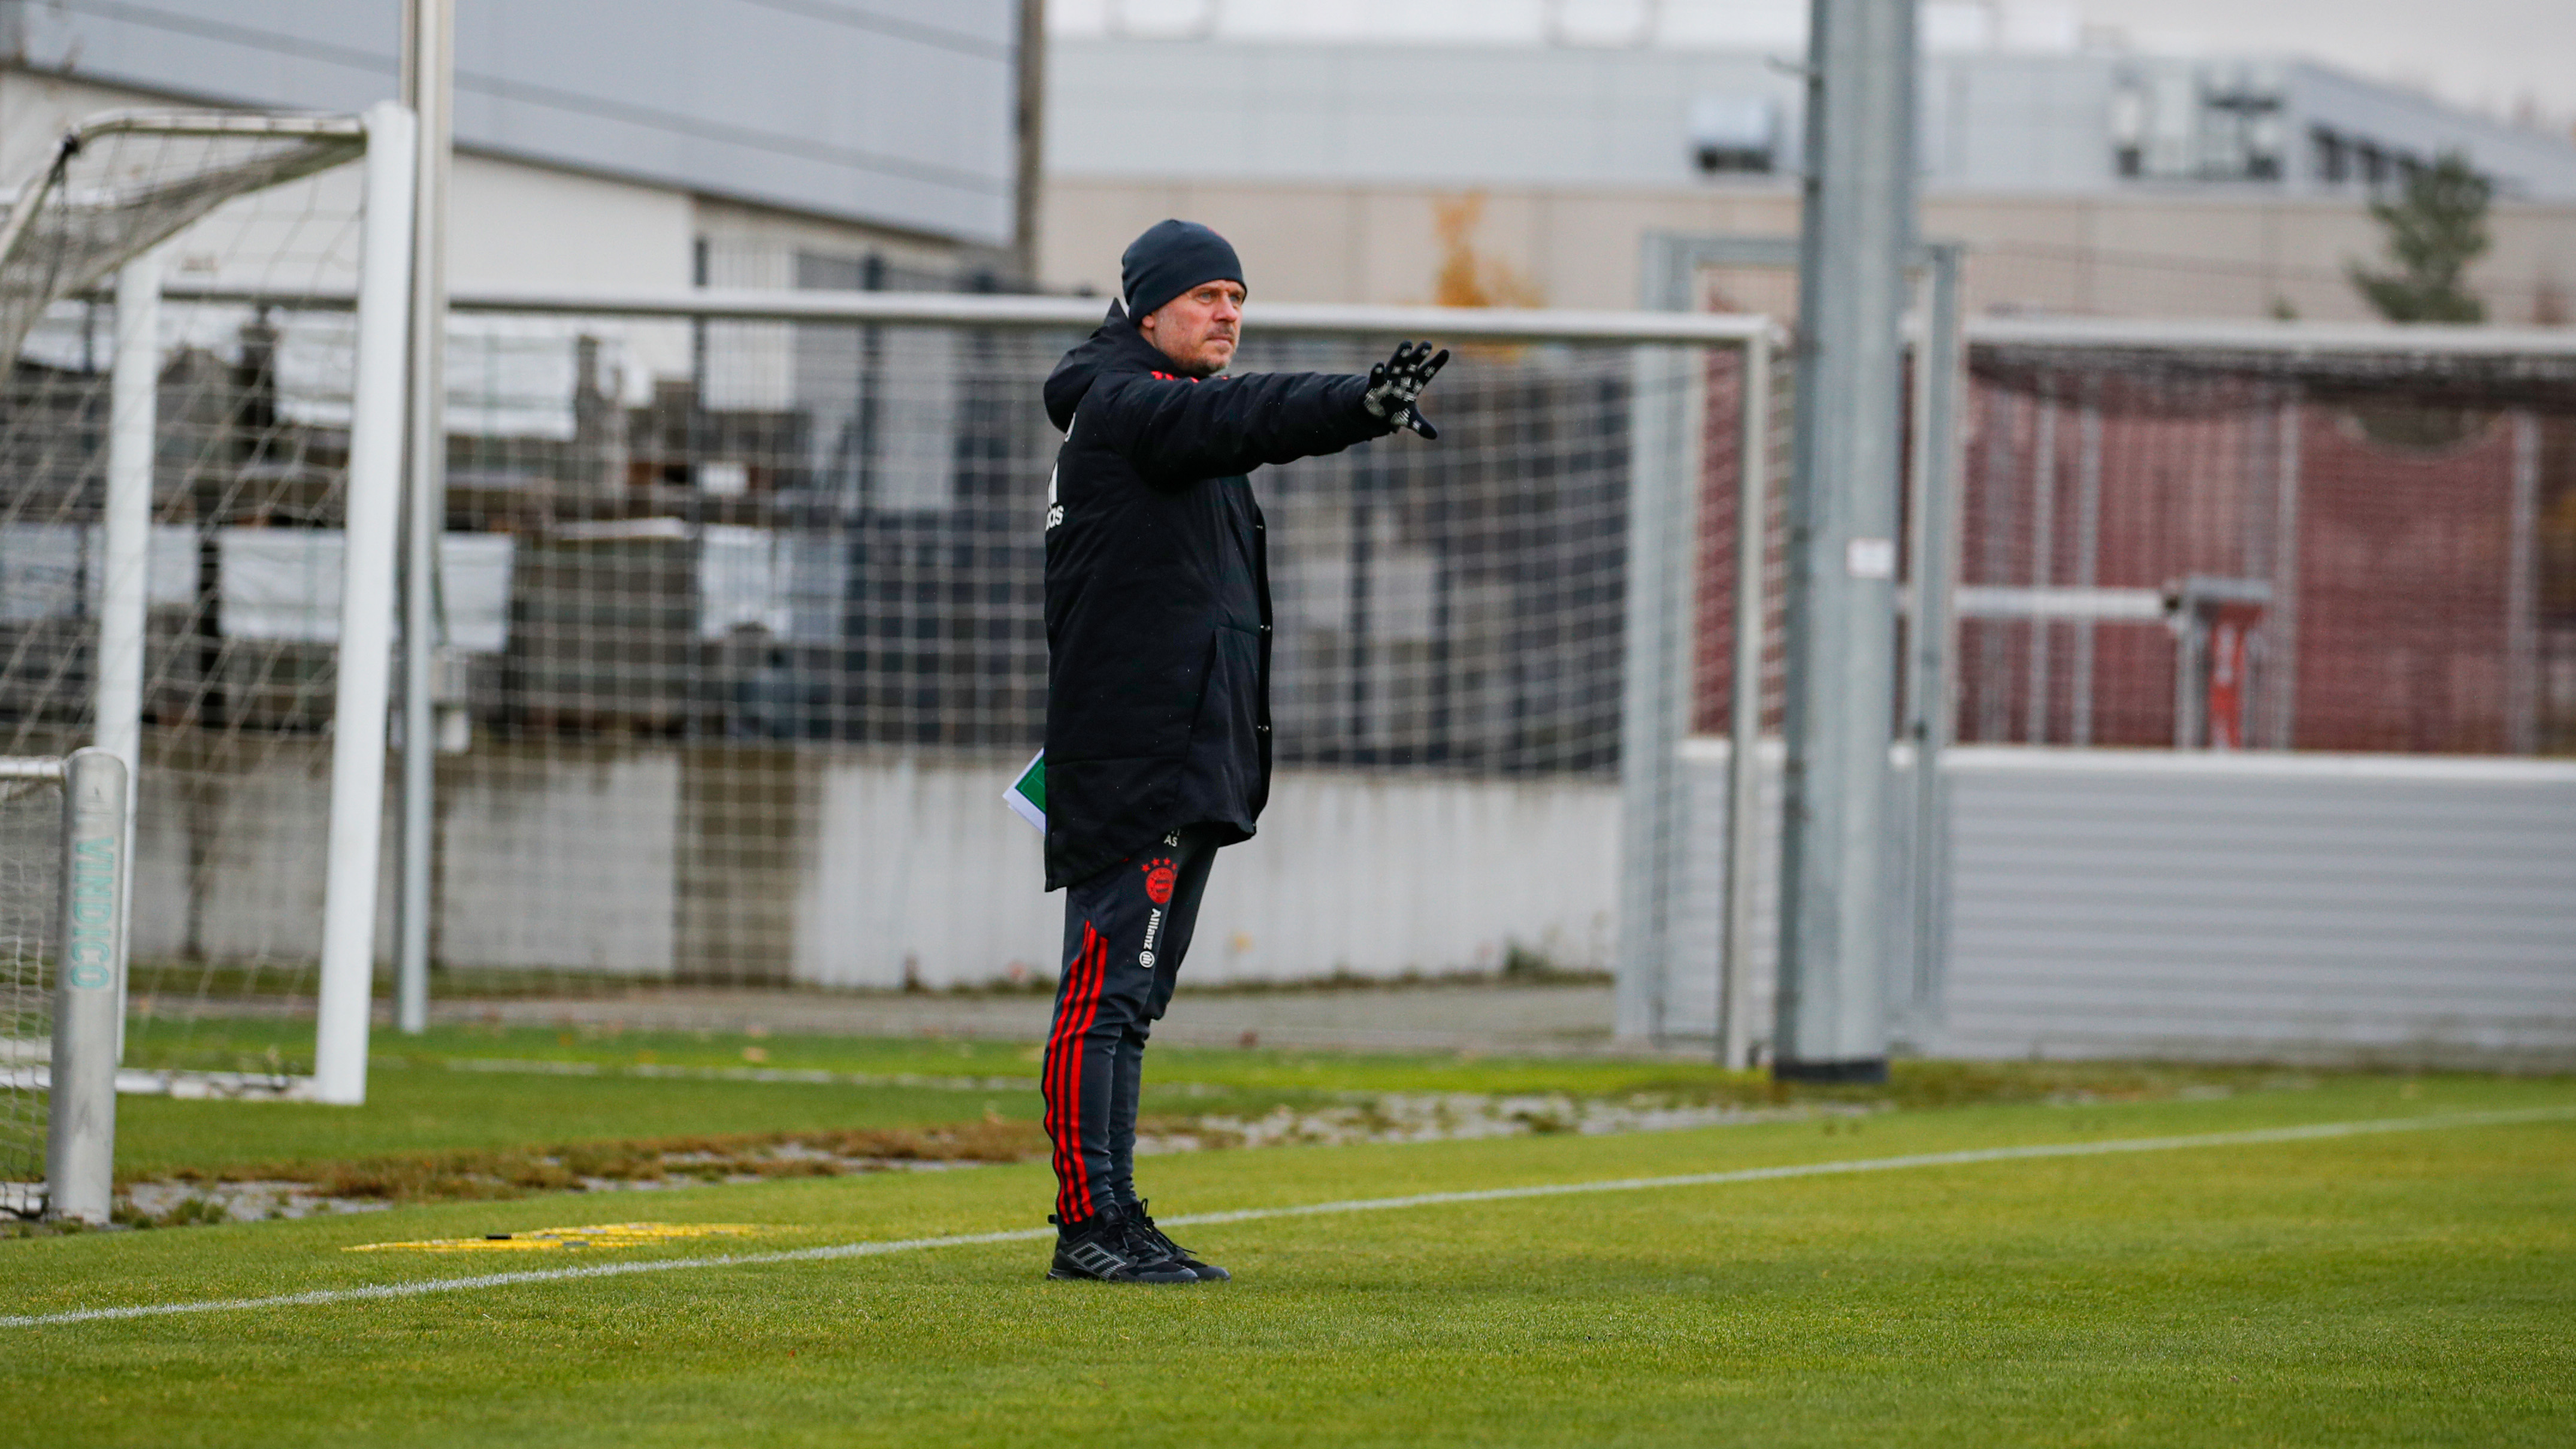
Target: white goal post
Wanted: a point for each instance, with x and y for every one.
(378, 407)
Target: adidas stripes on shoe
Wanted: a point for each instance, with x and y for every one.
(1110, 1249)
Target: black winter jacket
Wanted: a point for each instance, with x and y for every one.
(1158, 594)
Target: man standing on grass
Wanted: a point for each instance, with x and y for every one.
(1158, 683)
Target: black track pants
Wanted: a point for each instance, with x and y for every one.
(1125, 931)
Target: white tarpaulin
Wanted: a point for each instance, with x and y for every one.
(284, 584)
(789, 585)
(57, 570)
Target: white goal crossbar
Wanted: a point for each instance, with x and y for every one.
(1022, 313)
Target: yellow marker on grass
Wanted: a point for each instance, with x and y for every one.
(600, 1235)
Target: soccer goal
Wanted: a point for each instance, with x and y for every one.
(756, 639)
(205, 316)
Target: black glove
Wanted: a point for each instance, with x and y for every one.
(1396, 382)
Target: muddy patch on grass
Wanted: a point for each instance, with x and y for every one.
(297, 1190)
(1459, 1116)
(293, 1190)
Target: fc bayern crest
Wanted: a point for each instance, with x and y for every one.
(1158, 881)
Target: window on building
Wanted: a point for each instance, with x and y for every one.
(2333, 157)
(2129, 112)
(2172, 121)
(2240, 131)
(1739, 134)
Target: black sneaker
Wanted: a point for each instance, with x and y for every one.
(1105, 1249)
(1151, 1239)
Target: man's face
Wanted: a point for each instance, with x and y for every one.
(1198, 329)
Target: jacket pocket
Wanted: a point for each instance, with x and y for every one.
(1229, 705)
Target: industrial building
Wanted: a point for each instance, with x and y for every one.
(2086, 178)
(719, 143)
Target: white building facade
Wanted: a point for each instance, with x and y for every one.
(2091, 178)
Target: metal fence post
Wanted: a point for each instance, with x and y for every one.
(1858, 229)
(1657, 675)
(428, 84)
(1744, 726)
(1931, 687)
(80, 1145)
(2522, 692)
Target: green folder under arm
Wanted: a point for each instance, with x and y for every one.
(1027, 795)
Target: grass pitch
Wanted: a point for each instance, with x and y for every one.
(2413, 1287)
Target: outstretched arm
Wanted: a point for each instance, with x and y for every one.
(1180, 430)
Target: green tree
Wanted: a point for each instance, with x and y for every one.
(2436, 226)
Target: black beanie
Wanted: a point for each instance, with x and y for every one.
(1169, 259)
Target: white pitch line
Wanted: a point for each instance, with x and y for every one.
(2312, 1132)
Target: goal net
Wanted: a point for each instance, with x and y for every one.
(31, 863)
(254, 222)
(743, 636)
(121, 184)
(2327, 539)
(2176, 536)
(754, 639)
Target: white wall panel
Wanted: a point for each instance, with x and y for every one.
(1374, 876)
(2292, 907)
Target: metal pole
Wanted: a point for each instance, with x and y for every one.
(1657, 667)
(126, 541)
(2088, 562)
(1744, 724)
(2191, 673)
(1029, 167)
(2522, 593)
(2003, 427)
(366, 620)
(1857, 228)
(2043, 549)
(80, 1145)
(1931, 691)
(1914, 726)
(2281, 620)
(429, 88)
